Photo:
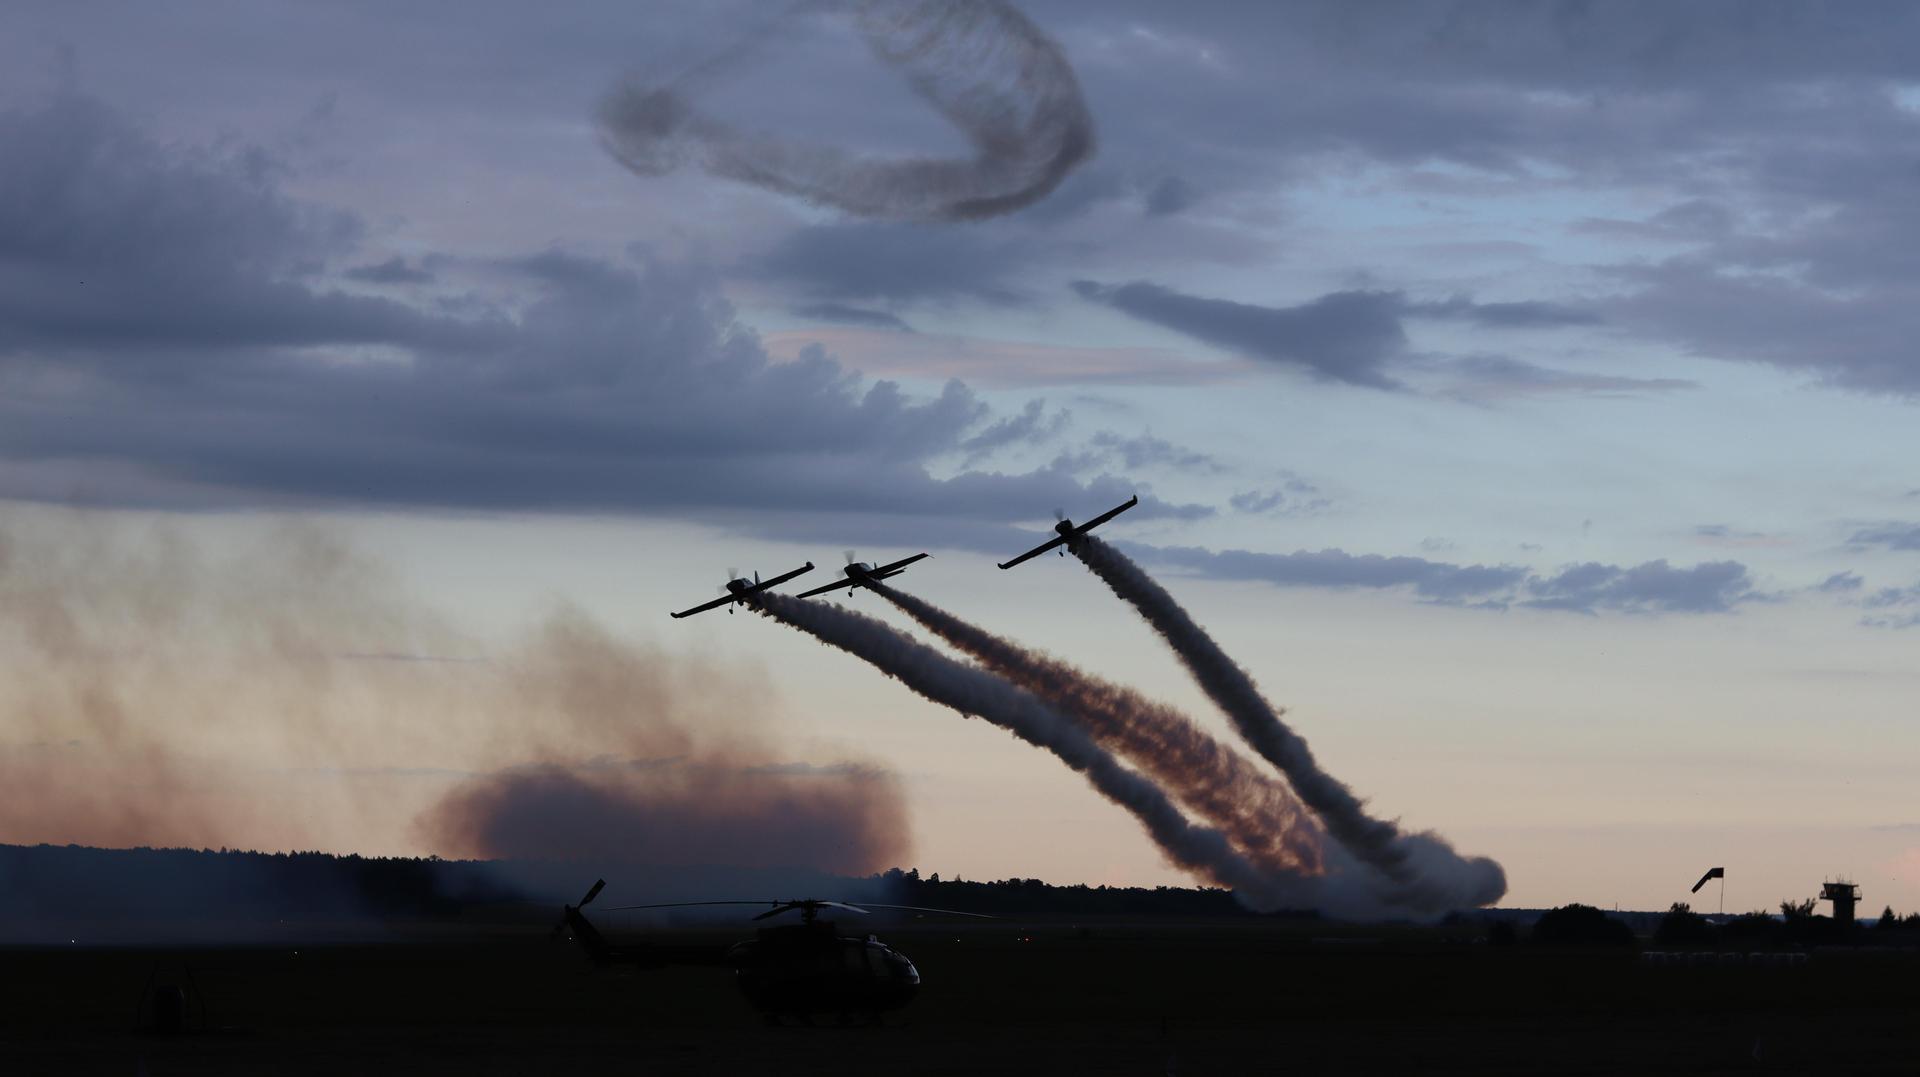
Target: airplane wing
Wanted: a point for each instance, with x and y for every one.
(897, 567)
(848, 582)
(780, 579)
(1107, 515)
(1035, 552)
(705, 606)
(761, 586)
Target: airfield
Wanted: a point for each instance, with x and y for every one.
(1048, 996)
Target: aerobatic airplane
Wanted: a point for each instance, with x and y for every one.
(860, 574)
(1070, 533)
(736, 592)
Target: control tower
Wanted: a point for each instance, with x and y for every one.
(1845, 896)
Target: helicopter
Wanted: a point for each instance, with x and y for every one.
(784, 970)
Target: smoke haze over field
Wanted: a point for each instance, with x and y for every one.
(290, 697)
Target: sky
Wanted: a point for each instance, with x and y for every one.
(1522, 393)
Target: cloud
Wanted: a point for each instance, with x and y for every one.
(1353, 336)
(987, 362)
(1856, 339)
(848, 315)
(1892, 535)
(1523, 315)
(1294, 496)
(1725, 535)
(1169, 196)
(207, 362)
(1031, 427)
(896, 262)
(1338, 569)
(1652, 586)
(116, 249)
(1343, 336)
(1840, 583)
(1481, 377)
(394, 270)
(1143, 451)
(1895, 607)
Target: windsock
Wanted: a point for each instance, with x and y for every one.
(1712, 873)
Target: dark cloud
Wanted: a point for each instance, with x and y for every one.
(1650, 587)
(1354, 336)
(843, 314)
(1857, 339)
(206, 362)
(1525, 315)
(394, 270)
(896, 262)
(1892, 535)
(1343, 336)
(117, 249)
(1693, 220)
(1770, 134)
(1169, 196)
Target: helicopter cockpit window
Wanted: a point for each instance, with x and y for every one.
(856, 963)
(877, 962)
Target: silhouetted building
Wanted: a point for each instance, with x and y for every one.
(1845, 896)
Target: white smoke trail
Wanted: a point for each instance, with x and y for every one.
(1427, 870)
(929, 673)
(981, 64)
(1256, 810)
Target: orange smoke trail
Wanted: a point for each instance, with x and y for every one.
(1257, 811)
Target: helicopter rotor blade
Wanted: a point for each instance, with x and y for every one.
(592, 892)
(681, 905)
(923, 908)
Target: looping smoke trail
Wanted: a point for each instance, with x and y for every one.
(1425, 867)
(981, 64)
(929, 673)
(1257, 811)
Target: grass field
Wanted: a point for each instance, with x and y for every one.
(1107, 998)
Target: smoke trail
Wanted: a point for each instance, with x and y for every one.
(976, 692)
(1260, 814)
(981, 64)
(1427, 869)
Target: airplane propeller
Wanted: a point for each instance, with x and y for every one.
(849, 555)
(592, 892)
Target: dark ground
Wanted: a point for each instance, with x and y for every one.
(1108, 998)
